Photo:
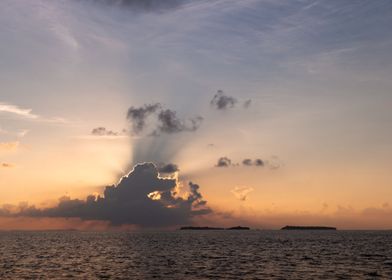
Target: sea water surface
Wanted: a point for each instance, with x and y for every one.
(196, 255)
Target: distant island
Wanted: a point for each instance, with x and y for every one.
(238, 228)
(307, 228)
(214, 228)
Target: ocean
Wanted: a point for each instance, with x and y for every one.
(196, 255)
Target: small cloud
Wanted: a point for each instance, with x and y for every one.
(259, 162)
(247, 103)
(9, 146)
(102, 131)
(242, 192)
(7, 165)
(223, 162)
(324, 207)
(22, 133)
(256, 162)
(220, 101)
(168, 168)
(274, 163)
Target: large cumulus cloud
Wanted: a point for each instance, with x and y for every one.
(140, 198)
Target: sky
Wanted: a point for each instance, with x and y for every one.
(143, 114)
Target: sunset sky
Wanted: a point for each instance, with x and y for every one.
(279, 110)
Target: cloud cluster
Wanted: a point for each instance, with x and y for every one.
(142, 198)
(256, 162)
(273, 163)
(241, 192)
(165, 121)
(221, 101)
(102, 131)
(170, 123)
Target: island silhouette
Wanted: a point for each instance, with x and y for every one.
(247, 228)
(214, 228)
(307, 228)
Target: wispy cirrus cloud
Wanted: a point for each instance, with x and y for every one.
(16, 110)
(9, 146)
(26, 113)
(241, 192)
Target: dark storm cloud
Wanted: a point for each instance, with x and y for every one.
(221, 101)
(166, 120)
(141, 5)
(167, 168)
(102, 131)
(138, 116)
(141, 198)
(223, 162)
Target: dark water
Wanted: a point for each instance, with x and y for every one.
(197, 255)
